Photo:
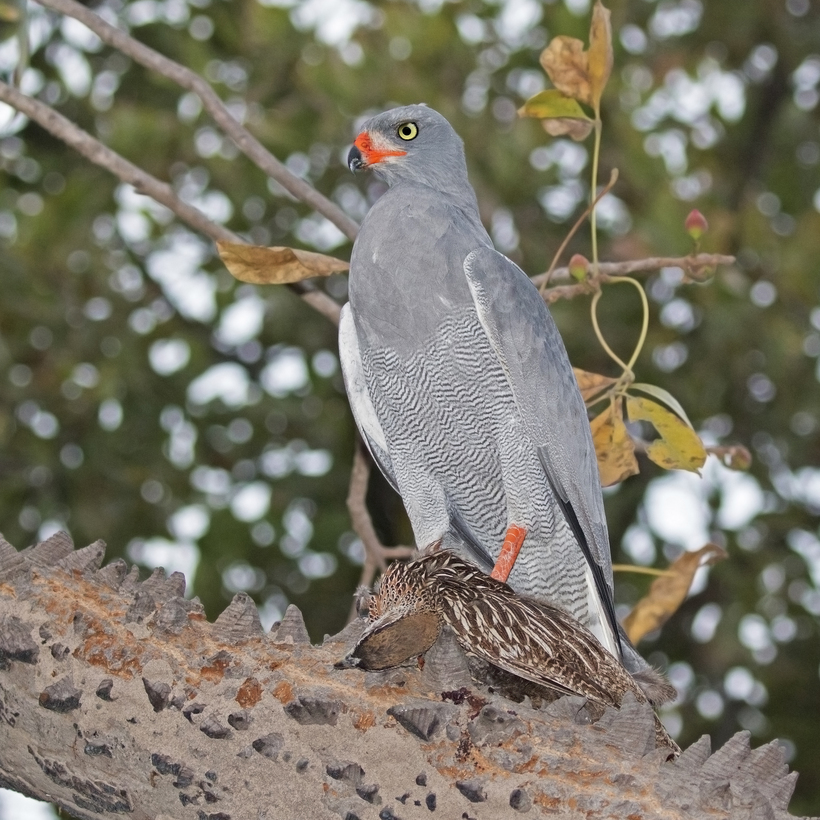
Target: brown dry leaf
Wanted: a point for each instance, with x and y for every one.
(276, 266)
(668, 592)
(576, 129)
(678, 447)
(567, 65)
(600, 57)
(733, 456)
(613, 446)
(591, 384)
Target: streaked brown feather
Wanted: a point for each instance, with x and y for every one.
(537, 642)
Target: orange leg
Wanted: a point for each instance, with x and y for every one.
(509, 552)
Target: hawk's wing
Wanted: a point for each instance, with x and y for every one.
(357, 392)
(532, 354)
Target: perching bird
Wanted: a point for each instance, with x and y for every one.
(460, 383)
(532, 640)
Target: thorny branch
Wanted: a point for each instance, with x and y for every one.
(376, 554)
(188, 79)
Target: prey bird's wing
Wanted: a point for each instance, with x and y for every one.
(541, 644)
(530, 350)
(535, 641)
(363, 411)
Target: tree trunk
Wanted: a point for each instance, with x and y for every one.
(119, 698)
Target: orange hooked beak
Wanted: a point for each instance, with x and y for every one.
(366, 152)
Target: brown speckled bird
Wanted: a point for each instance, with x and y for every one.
(537, 642)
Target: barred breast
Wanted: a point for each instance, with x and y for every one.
(464, 464)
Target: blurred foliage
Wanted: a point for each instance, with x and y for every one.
(148, 399)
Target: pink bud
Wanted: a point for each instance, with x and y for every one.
(578, 267)
(696, 224)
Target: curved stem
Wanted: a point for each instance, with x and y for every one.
(644, 323)
(627, 368)
(594, 315)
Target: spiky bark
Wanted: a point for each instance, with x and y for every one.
(119, 698)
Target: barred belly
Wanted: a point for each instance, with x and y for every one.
(463, 460)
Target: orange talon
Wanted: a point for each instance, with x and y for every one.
(509, 552)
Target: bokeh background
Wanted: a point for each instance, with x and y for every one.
(192, 422)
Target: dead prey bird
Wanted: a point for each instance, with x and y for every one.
(537, 642)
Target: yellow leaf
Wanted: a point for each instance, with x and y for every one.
(678, 447)
(576, 129)
(591, 384)
(567, 65)
(276, 266)
(613, 446)
(552, 103)
(668, 592)
(663, 396)
(600, 56)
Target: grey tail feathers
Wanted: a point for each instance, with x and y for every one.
(654, 684)
(571, 518)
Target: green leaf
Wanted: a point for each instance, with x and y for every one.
(665, 396)
(552, 104)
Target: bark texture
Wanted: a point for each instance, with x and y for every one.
(118, 698)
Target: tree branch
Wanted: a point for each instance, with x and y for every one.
(184, 77)
(696, 267)
(119, 699)
(613, 178)
(375, 553)
(92, 149)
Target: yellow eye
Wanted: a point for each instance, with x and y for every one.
(408, 131)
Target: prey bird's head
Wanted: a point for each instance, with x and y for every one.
(411, 143)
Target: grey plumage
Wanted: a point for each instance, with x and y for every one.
(460, 383)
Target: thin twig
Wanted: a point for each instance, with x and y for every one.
(613, 178)
(641, 570)
(696, 267)
(91, 148)
(245, 141)
(375, 553)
